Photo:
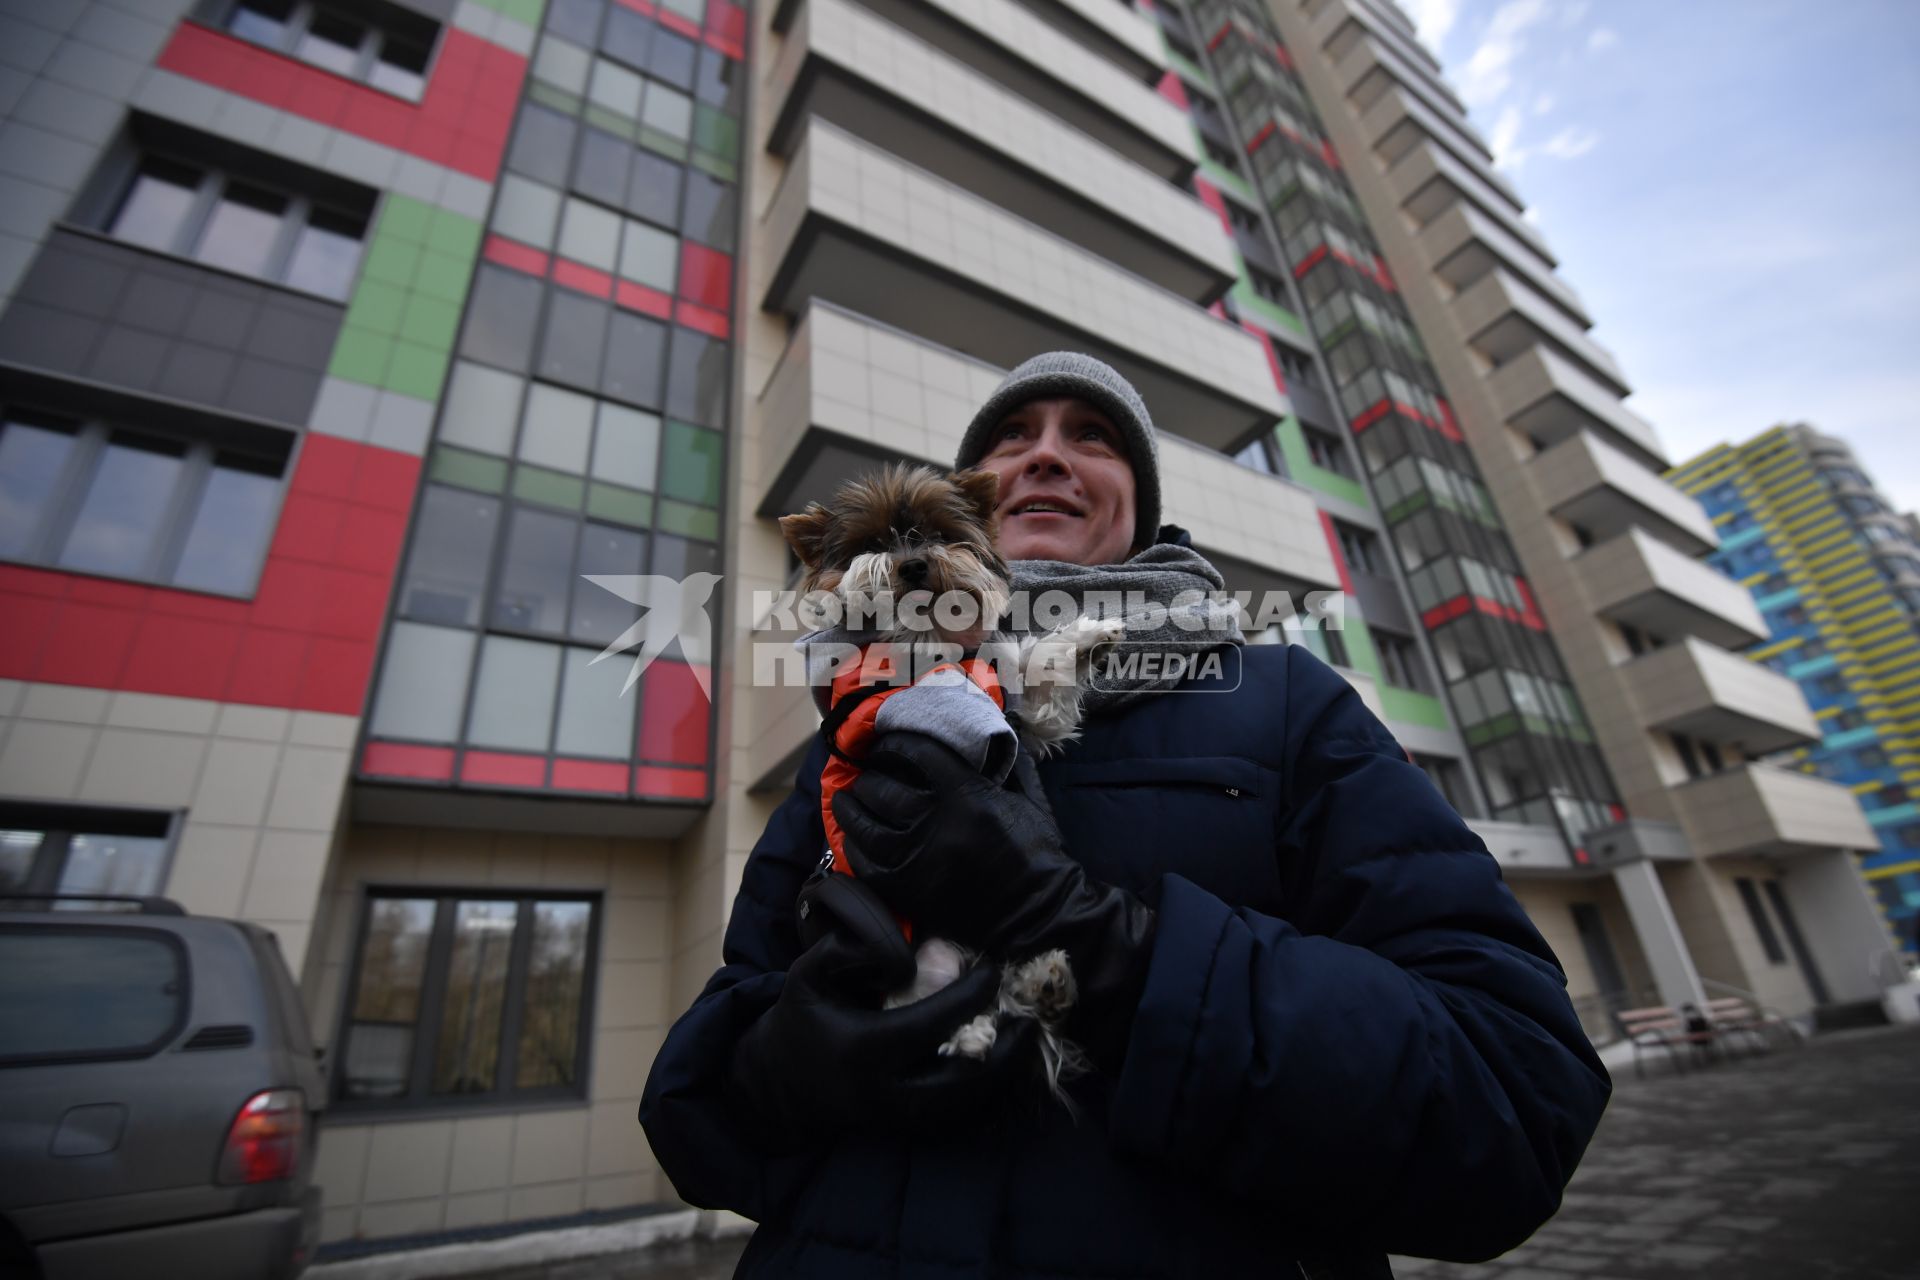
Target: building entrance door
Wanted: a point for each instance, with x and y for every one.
(1600, 954)
(1795, 943)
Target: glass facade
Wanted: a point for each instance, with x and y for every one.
(581, 432)
(1510, 694)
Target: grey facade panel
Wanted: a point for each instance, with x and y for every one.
(126, 318)
(1380, 602)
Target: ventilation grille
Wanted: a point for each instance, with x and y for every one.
(220, 1038)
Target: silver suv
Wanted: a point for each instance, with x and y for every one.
(159, 1096)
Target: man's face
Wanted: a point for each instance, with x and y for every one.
(1066, 486)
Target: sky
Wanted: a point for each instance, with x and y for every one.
(1733, 188)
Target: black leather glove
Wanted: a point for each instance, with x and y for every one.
(827, 1059)
(967, 859)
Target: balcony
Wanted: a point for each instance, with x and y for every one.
(1262, 532)
(1705, 692)
(1398, 121)
(1588, 482)
(1116, 32)
(1526, 849)
(1759, 809)
(1428, 181)
(1545, 395)
(1009, 45)
(854, 225)
(842, 63)
(1463, 244)
(849, 393)
(1502, 318)
(1643, 582)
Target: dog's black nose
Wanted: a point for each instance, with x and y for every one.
(913, 571)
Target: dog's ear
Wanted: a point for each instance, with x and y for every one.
(806, 533)
(981, 488)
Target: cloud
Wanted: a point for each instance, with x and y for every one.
(1602, 39)
(1543, 104)
(1571, 15)
(1488, 72)
(1503, 140)
(1571, 142)
(1433, 19)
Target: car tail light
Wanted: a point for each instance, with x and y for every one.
(264, 1142)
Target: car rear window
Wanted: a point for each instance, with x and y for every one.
(71, 993)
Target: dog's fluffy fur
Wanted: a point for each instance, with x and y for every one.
(911, 529)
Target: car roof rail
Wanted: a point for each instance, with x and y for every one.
(146, 906)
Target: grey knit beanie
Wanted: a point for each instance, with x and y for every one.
(1070, 373)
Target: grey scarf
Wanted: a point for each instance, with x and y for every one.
(1166, 596)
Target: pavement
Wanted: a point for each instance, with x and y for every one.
(1803, 1164)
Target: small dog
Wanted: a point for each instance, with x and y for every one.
(910, 536)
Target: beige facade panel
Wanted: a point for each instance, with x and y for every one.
(1121, 34)
(851, 392)
(443, 1167)
(1502, 316)
(1694, 688)
(1524, 849)
(1641, 581)
(1546, 396)
(859, 227)
(1588, 482)
(255, 792)
(1760, 809)
(1428, 180)
(1012, 45)
(1463, 244)
(845, 64)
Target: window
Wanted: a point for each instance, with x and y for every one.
(1360, 547)
(382, 45)
(1327, 451)
(1910, 836)
(1849, 719)
(468, 998)
(1450, 780)
(128, 503)
(1399, 661)
(1242, 218)
(1325, 643)
(1890, 795)
(267, 230)
(78, 995)
(1257, 455)
(1870, 757)
(56, 849)
(1221, 156)
(1762, 923)
(1268, 286)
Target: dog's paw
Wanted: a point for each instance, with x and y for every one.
(972, 1040)
(1089, 633)
(1042, 987)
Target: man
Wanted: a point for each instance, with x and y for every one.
(1321, 1027)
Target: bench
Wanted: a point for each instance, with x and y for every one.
(1664, 1027)
(1698, 1029)
(1735, 1016)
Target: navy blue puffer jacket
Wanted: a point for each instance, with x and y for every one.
(1352, 1039)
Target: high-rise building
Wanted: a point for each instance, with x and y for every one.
(1835, 573)
(369, 366)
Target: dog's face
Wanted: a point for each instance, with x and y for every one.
(915, 541)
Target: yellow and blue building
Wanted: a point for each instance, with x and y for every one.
(1835, 572)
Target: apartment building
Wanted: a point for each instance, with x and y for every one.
(369, 364)
(1835, 573)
